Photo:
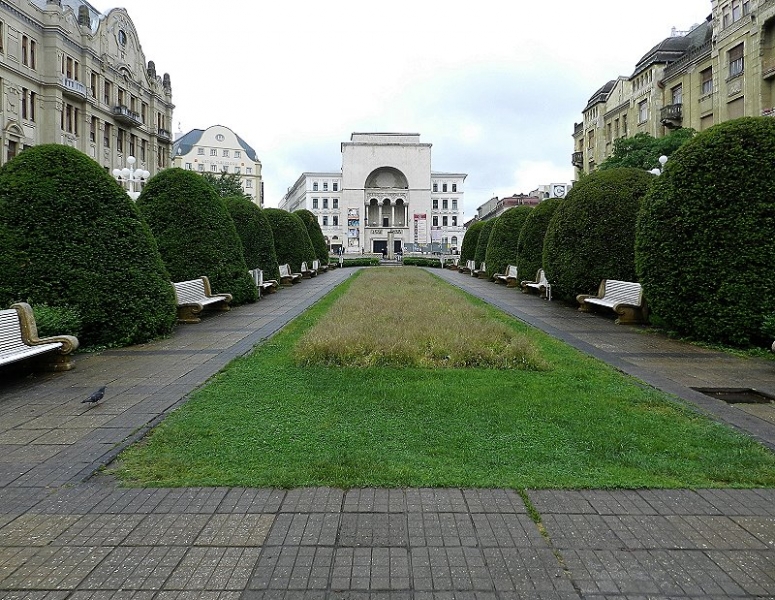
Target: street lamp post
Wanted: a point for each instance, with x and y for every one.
(131, 176)
(658, 170)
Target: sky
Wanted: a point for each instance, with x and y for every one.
(494, 85)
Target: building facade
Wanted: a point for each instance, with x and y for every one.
(70, 75)
(386, 199)
(722, 69)
(218, 149)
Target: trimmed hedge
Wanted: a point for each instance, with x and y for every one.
(483, 240)
(502, 246)
(71, 239)
(591, 235)
(530, 245)
(255, 232)
(195, 233)
(291, 240)
(417, 261)
(705, 247)
(315, 234)
(470, 239)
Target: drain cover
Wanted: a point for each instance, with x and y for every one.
(737, 395)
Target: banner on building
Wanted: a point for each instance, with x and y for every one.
(421, 228)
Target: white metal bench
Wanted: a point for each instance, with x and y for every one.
(317, 267)
(509, 277)
(541, 285)
(194, 295)
(625, 298)
(19, 341)
(481, 272)
(306, 272)
(265, 286)
(288, 277)
(468, 267)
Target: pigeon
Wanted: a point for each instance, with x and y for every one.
(96, 396)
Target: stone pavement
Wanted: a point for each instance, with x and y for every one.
(67, 531)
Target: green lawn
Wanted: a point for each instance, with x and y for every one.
(266, 421)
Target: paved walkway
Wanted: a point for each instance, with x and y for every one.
(68, 532)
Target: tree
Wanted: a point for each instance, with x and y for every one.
(470, 239)
(502, 246)
(226, 184)
(484, 239)
(291, 240)
(530, 246)
(315, 235)
(255, 232)
(642, 151)
(195, 233)
(705, 248)
(70, 238)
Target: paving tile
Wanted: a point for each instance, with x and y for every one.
(435, 500)
(526, 570)
(34, 530)
(135, 568)
(564, 502)
(507, 531)
(494, 501)
(298, 568)
(763, 528)
(213, 568)
(303, 529)
(440, 569)
(242, 500)
(98, 530)
(370, 529)
(370, 569)
(49, 568)
(168, 530)
(373, 500)
(678, 502)
(741, 502)
(235, 530)
(308, 500)
(440, 529)
(618, 502)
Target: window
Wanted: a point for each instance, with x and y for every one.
(334, 202)
(677, 94)
(454, 203)
(249, 170)
(201, 167)
(435, 221)
(214, 168)
(25, 51)
(736, 61)
(189, 167)
(314, 203)
(132, 145)
(454, 187)
(94, 85)
(435, 187)
(107, 92)
(120, 97)
(444, 187)
(224, 168)
(226, 153)
(706, 81)
(200, 151)
(325, 200)
(454, 222)
(213, 152)
(435, 204)
(237, 170)
(325, 220)
(120, 140)
(237, 154)
(315, 186)
(143, 148)
(24, 103)
(643, 111)
(93, 129)
(335, 221)
(336, 186)
(445, 204)
(2, 29)
(325, 186)
(106, 135)
(444, 221)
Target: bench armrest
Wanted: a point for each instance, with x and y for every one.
(29, 331)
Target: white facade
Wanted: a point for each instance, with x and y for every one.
(386, 199)
(218, 149)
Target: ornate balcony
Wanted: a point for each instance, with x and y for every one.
(577, 159)
(164, 135)
(122, 114)
(72, 87)
(671, 115)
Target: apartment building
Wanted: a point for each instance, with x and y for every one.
(71, 75)
(386, 199)
(722, 69)
(218, 149)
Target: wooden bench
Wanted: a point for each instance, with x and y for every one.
(19, 341)
(540, 284)
(306, 272)
(509, 277)
(265, 286)
(625, 298)
(481, 272)
(287, 277)
(194, 295)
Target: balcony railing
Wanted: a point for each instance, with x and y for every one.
(768, 69)
(124, 115)
(671, 115)
(577, 159)
(164, 135)
(73, 87)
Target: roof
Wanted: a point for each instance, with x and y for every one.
(672, 48)
(74, 5)
(601, 95)
(187, 141)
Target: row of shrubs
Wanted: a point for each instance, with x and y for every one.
(700, 238)
(94, 264)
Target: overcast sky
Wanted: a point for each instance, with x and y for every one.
(494, 85)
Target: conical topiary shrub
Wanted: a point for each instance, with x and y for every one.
(483, 240)
(530, 246)
(255, 232)
(705, 245)
(291, 240)
(315, 234)
(470, 239)
(502, 246)
(195, 233)
(591, 235)
(70, 237)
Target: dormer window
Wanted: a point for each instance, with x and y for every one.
(121, 37)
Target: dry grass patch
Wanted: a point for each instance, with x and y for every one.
(405, 317)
